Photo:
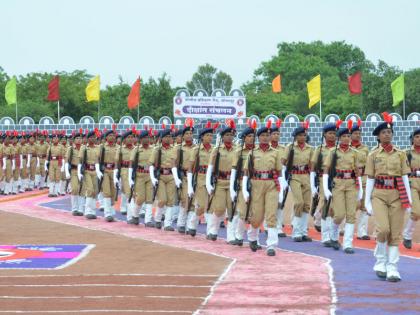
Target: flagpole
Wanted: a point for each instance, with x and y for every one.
(138, 113)
(58, 110)
(320, 109)
(99, 104)
(16, 114)
(404, 108)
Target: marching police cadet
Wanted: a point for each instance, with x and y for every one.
(363, 152)
(177, 144)
(8, 162)
(275, 144)
(413, 155)
(219, 168)
(17, 169)
(32, 160)
(72, 161)
(236, 228)
(387, 169)
(107, 158)
(2, 177)
(41, 153)
(163, 161)
(196, 176)
(263, 168)
(55, 154)
(143, 190)
(64, 143)
(329, 133)
(122, 159)
(100, 141)
(184, 151)
(24, 162)
(343, 161)
(299, 181)
(89, 157)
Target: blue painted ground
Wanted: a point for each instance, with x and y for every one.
(359, 291)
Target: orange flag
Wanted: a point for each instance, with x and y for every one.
(133, 99)
(276, 84)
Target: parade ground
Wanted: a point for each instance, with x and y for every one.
(53, 262)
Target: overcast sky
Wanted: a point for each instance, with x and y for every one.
(146, 38)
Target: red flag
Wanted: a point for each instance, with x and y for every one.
(133, 99)
(355, 83)
(54, 89)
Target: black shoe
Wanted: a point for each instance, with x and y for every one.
(318, 228)
(407, 244)
(335, 245)
(232, 242)
(74, 213)
(381, 275)
(271, 252)
(364, 238)
(49, 195)
(142, 215)
(298, 239)
(150, 224)
(341, 233)
(158, 225)
(208, 237)
(181, 229)
(168, 228)
(222, 225)
(327, 244)
(77, 213)
(90, 216)
(393, 279)
(134, 221)
(259, 246)
(253, 245)
(123, 212)
(192, 232)
(349, 250)
(101, 209)
(281, 235)
(213, 237)
(109, 218)
(238, 242)
(306, 238)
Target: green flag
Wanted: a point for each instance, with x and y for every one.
(397, 88)
(10, 91)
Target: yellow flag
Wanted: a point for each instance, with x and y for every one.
(93, 89)
(314, 90)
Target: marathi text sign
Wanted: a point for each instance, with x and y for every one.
(209, 107)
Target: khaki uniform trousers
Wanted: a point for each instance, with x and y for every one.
(24, 173)
(32, 168)
(75, 184)
(415, 195)
(90, 184)
(8, 171)
(143, 188)
(41, 169)
(166, 193)
(264, 203)
(221, 199)
(301, 191)
(201, 197)
(344, 200)
(125, 186)
(389, 215)
(54, 172)
(108, 188)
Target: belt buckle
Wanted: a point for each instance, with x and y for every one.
(388, 182)
(301, 168)
(264, 175)
(347, 175)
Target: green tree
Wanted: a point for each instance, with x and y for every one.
(209, 78)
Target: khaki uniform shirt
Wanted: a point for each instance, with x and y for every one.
(381, 163)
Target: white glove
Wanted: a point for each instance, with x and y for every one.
(28, 160)
(152, 175)
(98, 171)
(13, 164)
(407, 188)
(62, 166)
(408, 210)
(45, 166)
(327, 192)
(209, 187)
(178, 182)
(360, 194)
(21, 162)
(232, 184)
(245, 192)
(116, 181)
(130, 177)
(66, 169)
(79, 172)
(314, 191)
(4, 163)
(283, 181)
(370, 182)
(190, 190)
(281, 195)
(418, 173)
(37, 162)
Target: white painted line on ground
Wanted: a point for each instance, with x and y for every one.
(82, 255)
(107, 285)
(110, 274)
(175, 297)
(96, 311)
(67, 297)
